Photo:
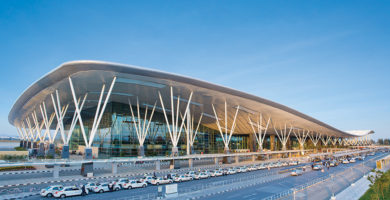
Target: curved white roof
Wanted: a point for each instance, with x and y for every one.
(137, 82)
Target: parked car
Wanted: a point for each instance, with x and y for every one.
(172, 175)
(318, 167)
(333, 163)
(291, 163)
(202, 175)
(296, 172)
(242, 169)
(161, 180)
(89, 186)
(252, 168)
(183, 178)
(68, 191)
(261, 166)
(49, 191)
(134, 184)
(352, 160)
(122, 181)
(191, 174)
(284, 164)
(231, 171)
(102, 187)
(345, 161)
(147, 179)
(216, 173)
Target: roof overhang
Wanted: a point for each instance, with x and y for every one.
(133, 82)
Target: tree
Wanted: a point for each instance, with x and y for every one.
(380, 141)
(386, 141)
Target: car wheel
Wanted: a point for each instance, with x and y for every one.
(157, 183)
(49, 195)
(130, 188)
(101, 191)
(116, 189)
(62, 196)
(179, 181)
(144, 185)
(170, 181)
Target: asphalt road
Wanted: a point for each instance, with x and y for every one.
(275, 187)
(255, 192)
(181, 186)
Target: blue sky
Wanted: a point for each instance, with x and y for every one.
(327, 59)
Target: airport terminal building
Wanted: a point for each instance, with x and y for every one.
(115, 110)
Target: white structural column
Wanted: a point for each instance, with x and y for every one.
(174, 132)
(334, 141)
(191, 132)
(226, 135)
(38, 128)
(326, 140)
(260, 131)
(74, 120)
(283, 135)
(98, 116)
(301, 136)
(315, 138)
(21, 135)
(47, 121)
(141, 127)
(60, 113)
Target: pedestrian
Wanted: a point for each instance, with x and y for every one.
(154, 175)
(110, 187)
(83, 190)
(312, 166)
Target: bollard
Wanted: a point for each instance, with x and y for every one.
(237, 159)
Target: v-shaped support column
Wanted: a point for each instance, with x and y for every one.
(141, 127)
(226, 135)
(260, 131)
(176, 130)
(283, 135)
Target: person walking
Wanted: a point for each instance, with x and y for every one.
(83, 193)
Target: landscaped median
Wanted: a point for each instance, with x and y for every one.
(379, 187)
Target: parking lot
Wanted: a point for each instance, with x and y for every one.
(255, 184)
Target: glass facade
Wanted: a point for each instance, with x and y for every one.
(117, 137)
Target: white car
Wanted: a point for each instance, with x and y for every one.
(352, 160)
(242, 169)
(122, 181)
(161, 180)
(102, 187)
(252, 168)
(261, 166)
(216, 173)
(183, 178)
(191, 174)
(296, 172)
(345, 161)
(202, 175)
(147, 179)
(49, 191)
(89, 186)
(318, 167)
(231, 171)
(284, 164)
(134, 184)
(68, 192)
(293, 163)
